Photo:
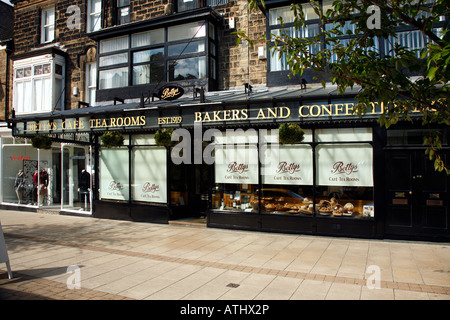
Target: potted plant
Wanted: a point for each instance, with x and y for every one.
(163, 137)
(290, 133)
(112, 139)
(41, 142)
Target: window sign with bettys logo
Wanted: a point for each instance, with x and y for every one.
(114, 173)
(344, 180)
(345, 165)
(236, 164)
(286, 165)
(149, 174)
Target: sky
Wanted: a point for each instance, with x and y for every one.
(7, 1)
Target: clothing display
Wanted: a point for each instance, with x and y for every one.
(19, 185)
(84, 184)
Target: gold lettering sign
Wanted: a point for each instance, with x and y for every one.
(72, 124)
(170, 120)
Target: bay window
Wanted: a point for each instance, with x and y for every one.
(174, 53)
(39, 84)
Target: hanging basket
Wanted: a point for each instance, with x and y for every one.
(112, 139)
(163, 137)
(41, 142)
(290, 133)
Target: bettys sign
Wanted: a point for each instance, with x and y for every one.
(170, 92)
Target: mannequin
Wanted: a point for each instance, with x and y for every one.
(84, 183)
(43, 183)
(18, 185)
(35, 186)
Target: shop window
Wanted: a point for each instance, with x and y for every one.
(48, 25)
(344, 180)
(236, 177)
(270, 178)
(287, 177)
(94, 15)
(149, 180)
(29, 175)
(38, 84)
(114, 174)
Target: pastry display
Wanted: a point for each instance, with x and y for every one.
(286, 202)
(338, 210)
(348, 209)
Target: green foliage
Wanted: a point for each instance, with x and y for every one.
(112, 139)
(290, 133)
(385, 77)
(163, 137)
(41, 142)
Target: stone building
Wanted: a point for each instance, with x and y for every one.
(6, 35)
(95, 84)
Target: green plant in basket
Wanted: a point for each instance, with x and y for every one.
(112, 139)
(41, 142)
(163, 137)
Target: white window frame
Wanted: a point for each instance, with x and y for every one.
(55, 97)
(48, 25)
(97, 15)
(91, 83)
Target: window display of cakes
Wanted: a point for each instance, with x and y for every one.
(287, 202)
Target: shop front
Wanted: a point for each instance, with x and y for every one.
(347, 177)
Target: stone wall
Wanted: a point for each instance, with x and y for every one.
(238, 64)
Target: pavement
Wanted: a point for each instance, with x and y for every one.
(59, 257)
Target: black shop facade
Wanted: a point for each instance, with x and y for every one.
(347, 177)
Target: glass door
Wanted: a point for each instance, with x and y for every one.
(76, 178)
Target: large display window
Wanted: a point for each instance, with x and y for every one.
(29, 175)
(136, 172)
(287, 177)
(114, 174)
(236, 176)
(345, 180)
(149, 174)
(328, 176)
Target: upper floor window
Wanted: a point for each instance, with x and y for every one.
(147, 58)
(281, 23)
(122, 11)
(91, 83)
(38, 84)
(48, 25)
(94, 15)
(184, 5)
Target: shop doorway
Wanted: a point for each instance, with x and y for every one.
(189, 185)
(416, 196)
(76, 179)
